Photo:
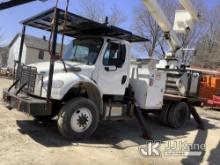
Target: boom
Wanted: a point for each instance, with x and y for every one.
(189, 7)
(161, 19)
(163, 22)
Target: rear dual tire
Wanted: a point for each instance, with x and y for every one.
(175, 114)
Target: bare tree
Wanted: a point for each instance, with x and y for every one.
(146, 26)
(93, 9)
(116, 17)
(96, 10)
(208, 45)
(191, 38)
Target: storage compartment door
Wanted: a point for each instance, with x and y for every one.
(155, 92)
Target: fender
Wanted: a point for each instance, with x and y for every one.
(73, 80)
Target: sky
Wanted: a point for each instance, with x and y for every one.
(10, 18)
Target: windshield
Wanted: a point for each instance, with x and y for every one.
(84, 51)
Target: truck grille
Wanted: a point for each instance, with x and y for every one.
(26, 75)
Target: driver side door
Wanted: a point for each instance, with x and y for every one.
(113, 70)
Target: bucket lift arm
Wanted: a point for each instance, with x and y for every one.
(161, 19)
(189, 7)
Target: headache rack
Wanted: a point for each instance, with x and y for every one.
(26, 78)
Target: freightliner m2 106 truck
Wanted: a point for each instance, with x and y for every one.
(95, 79)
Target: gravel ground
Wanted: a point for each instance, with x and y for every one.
(25, 141)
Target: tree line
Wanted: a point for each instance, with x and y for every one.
(204, 37)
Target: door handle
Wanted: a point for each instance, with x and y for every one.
(123, 80)
(110, 68)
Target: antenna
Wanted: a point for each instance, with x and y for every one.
(106, 20)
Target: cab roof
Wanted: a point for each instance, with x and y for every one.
(77, 26)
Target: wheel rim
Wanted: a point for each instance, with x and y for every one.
(81, 120)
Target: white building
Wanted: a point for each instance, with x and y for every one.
(34, 50)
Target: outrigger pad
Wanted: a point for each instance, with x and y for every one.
(140, 118)
(77, 26)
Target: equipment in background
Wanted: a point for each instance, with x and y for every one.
(214, 102)
(210, 86)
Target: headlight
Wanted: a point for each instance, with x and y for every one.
(55, 84)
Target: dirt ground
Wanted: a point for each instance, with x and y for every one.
(25, 141)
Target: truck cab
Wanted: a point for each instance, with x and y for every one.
(108, 58)
(91, 81)
(102, 61)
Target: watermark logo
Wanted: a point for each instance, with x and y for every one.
(171, 148)
(152, 148)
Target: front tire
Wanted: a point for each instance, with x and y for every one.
(78, 119)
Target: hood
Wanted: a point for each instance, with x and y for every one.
(43, 67)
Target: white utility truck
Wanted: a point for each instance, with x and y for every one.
(95, 80)
(182, 83)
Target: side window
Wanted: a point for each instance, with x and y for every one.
(114, 55)
(41, 54)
